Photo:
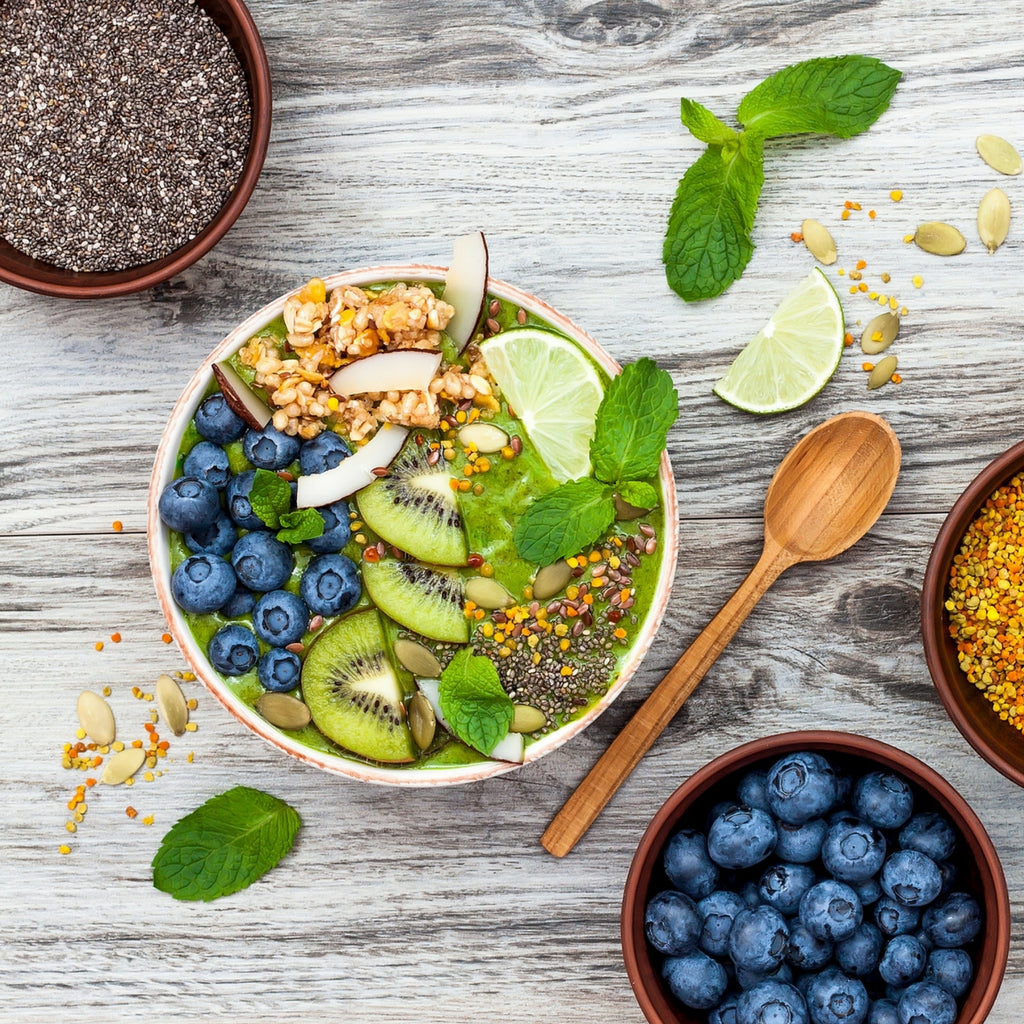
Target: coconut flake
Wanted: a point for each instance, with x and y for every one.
(403, 370)
(465, 286)
(353, 473)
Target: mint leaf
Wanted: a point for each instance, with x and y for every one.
(564, 521)
(224, 845)
(270, 497)
(708, 240)
(704, 126)
(299, 525)
(832, 95)
(473, 701)
(638, 494)
(632, 421)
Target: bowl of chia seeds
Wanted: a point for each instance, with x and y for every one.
(132, 134)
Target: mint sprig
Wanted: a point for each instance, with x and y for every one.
(708, 241)
(473, 701)
(271, 500)
(633, 419)
(224, 845)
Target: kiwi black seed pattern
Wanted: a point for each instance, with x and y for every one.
(429, 600)
(367, 701)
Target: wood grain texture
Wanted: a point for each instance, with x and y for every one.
(553, 125)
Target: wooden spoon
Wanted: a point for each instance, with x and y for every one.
(825, 495)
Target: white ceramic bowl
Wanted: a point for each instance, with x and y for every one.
(159, 552)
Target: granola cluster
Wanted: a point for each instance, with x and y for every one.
(327, 331)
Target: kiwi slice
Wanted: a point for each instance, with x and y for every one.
(420, 597)
(352, 691)
(415, 508)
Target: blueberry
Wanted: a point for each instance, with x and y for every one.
(950, 969)
(724, 1012)
(758, 939)
(926, 943)
(772, 1002)
(883, 799)
(883, 1011)
(806, 951)
(696, 980)
(216, 421)
(240, 603)
(218, 538)
(859, 955)
(741, 838)
(672, 923)
(800, 787)
(926, 1003)
(718, 911)
(929, 833)
(868, 890)
(330, 585)
(911, 877)
(262, 562)
(853, 851)
(801, 844)
(188, 504)
(209, 462)
(233, 650)
(833, 998)
(752, 790)
(954, 921)
(750, 892)
(903, 961)
(279, 670)
(270, 448)
(280, 618)
(894, 918)
(324, 452)
(748, 979)
(202, 583)
(336, 529)
(950, 873)
(782, 886)
(687, 864)
(239, 507)
(831, 910)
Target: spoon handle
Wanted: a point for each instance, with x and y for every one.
(624, 753)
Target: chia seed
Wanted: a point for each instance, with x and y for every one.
(124, 126)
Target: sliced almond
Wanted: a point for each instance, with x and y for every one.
(123, 766)
(485, 437)
(819, 241)
(283, 711)
(998, 154)
(880, 333)
(419, 660)
(488, 593)
(883, 371)
(939, 239)
(527, 718)
(994, 219)
(96, 718)
(551, 580)
(171, 703)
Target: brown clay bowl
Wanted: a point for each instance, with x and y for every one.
(996, 741)
(981, 873)
(22, 271)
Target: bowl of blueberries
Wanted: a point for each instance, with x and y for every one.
(815, 878)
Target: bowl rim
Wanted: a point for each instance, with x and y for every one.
(159, 558)
(939, 651)
(46, 279)
(995, 940)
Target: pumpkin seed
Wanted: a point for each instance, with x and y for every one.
(422, 720)
(485, 437)
(880, 333)
(488, 593)
(551, 580)
(96, 718)
(527, 718)
(998, 154)
(939, 239)
(624, 511)
(819, 242)
(172, 704)
(994, 219)
(123, 766)
(883, 370)
(283, 711)
(419, 660)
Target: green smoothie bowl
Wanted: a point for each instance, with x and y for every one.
(396, 531)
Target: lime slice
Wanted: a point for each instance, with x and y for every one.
(793, 356)
(554, 389)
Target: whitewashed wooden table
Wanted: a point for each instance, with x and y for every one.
(554, 127)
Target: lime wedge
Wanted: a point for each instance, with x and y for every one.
(553, 388)
(793, 356)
